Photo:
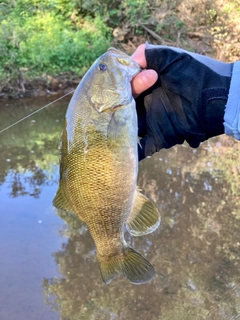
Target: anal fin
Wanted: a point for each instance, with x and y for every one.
(144, 217)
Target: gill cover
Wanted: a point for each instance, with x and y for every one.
(111, 75)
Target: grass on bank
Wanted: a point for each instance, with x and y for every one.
(40, 40)
(54, 37)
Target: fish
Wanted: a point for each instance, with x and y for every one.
(99, 167)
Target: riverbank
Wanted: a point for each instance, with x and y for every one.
(47, 47)
(23, 86)
(47, 86)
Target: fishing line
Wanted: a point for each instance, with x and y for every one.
(11, 125)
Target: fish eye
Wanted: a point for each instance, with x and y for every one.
(102, 66)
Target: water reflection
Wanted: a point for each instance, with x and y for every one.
(29, 152)
(29, 228)
(196, 251)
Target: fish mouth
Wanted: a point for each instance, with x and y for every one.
(105, 110)
(111, 109)
(117, 107)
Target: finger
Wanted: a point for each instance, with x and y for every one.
(143, 81)
(139, 56)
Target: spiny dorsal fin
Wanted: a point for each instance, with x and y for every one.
(144, 217)
(131, 264)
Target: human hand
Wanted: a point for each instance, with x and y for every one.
(146, 78)
(185, 102)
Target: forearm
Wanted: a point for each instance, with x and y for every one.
(190, 100)
(232, 111)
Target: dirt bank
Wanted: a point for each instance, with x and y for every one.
(45, 86)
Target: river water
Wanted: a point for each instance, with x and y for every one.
(48, 268)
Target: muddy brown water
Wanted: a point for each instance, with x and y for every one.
(48, 268)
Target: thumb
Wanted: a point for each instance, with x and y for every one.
(143, 81)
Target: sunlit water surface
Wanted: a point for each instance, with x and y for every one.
(48, 268)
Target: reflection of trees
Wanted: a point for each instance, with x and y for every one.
(29, 183)
(80, 293)
(196, 251)
(27, 171)
(29, 151)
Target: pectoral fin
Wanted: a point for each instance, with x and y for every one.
(144, 217)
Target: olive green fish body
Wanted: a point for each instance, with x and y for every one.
(99, 164)
(107, 180)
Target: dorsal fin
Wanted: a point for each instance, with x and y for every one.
(61, 201)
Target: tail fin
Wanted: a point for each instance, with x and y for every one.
(131, 264)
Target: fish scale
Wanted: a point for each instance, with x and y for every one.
(99, 165)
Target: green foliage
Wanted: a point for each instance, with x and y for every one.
(55, 36)
(136, 11)
(48, 37)
(58, 36)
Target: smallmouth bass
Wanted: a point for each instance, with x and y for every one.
(99, 166)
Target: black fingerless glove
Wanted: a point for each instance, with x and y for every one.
(186, 103)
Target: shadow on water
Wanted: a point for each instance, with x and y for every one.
(196, 250)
